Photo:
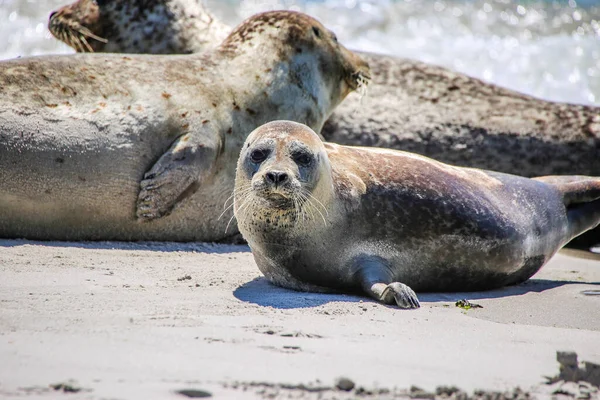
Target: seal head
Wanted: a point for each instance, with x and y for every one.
(303, 36)
(282, 165)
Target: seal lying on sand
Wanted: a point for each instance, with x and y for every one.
(87, 142)
(321, 216)
(411, 105)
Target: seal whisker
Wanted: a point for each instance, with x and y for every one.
(317, 200)
(234, 193)
(306, 201)
(75, 40)
(249, 203)
(246, 202)
(312, 204)
(232, 198)
(86, 32)
(299, 202)
(83, 40)
(309, 204)
(363, 85)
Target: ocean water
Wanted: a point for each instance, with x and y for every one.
(550, 49)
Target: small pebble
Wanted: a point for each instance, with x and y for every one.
(344, 384)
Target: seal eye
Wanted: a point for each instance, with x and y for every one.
(259, 155)
(317, 31)
(302, 158)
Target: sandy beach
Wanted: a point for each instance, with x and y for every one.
(143, 321)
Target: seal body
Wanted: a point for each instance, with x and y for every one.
(464, 121)
(321, 216)
(102, 147)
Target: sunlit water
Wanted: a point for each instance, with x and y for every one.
(550, 49)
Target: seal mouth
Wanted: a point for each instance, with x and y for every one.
(72, 33)
(278, 199)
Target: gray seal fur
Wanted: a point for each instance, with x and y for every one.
(114, 147)
(322, 217)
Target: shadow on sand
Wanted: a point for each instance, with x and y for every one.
(193, 247)
(261, 292)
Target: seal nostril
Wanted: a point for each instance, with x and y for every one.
(276, 177)
(282, 177)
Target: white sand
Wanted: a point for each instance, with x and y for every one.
(115, 318)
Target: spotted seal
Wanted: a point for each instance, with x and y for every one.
(416, 107)
(321, 217)
(143, 147)
(137, 26)
(411, 105)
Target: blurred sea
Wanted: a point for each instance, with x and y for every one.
(550, 49)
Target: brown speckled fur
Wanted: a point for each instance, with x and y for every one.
(144, 147)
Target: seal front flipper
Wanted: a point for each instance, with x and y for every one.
(176, 175)
(374, 277)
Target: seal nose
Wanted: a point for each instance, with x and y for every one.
(276, 177)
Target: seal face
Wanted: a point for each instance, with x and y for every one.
(137, 147)
(320, 216)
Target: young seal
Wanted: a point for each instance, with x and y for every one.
(88, 142)
(320, 217)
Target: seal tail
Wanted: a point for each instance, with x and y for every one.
(581, 196)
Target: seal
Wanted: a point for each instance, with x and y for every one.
(326, 217)
(411, 105)
(103, 147)
(133, 26)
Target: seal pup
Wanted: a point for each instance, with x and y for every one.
(89, 142)
(133, 26)
(321, 217)
(411, 105)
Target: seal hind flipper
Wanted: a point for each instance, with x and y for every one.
(176, 175)
(581, 196)
(375, 280)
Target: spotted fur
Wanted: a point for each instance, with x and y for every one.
(137, 26)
